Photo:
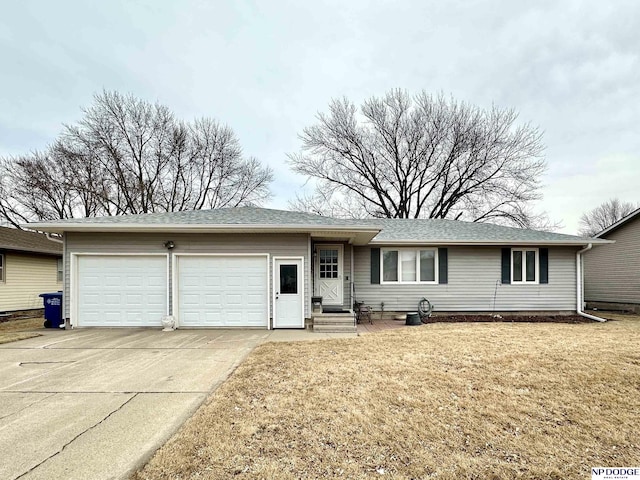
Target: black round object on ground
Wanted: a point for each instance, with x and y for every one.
(413, 318)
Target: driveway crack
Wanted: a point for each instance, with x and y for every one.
(47, 395)
(77, 436)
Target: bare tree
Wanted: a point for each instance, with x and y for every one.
(126, 156)
(422, 157)
(603, 216)
(34, 186)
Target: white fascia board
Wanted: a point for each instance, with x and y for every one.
(491, 243)
(192, 228)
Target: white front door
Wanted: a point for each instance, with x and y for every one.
(288, 293)
(329, 283)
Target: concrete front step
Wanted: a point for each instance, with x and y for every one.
(333, 321)
(335, 328)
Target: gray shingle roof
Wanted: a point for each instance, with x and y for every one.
(220, 216)
(19, 240)
(438, 230)
(392, 229)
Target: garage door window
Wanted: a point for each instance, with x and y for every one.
(289, 279)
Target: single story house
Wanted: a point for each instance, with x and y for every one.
(257, 267)
(30, 264)
(612, 274)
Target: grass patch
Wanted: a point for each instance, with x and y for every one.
(14, 330)
(446, 401)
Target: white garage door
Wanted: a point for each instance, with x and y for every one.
(121, 290)
(222, 291)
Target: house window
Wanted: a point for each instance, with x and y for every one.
(1, 267)
(524, 265)
(409, 265)
(59, 271)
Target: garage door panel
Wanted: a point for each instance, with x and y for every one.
(110, 300)
(228, 291)
(213, 299)
(234, 300)
(214, 319)
(133, 281)
(234, 281)
(213, 281)
(133, 298)
(121, 290)
(235, 319)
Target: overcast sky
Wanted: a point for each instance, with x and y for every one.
(266, 68)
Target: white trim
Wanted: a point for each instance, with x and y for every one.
(449, 242)
(524, 280)
(340, 248)
(165, 227)
(310, 277)
(351, 281)
(3, 267)
(436, 264)
(176, 284)
(73, 300)
(273, 285)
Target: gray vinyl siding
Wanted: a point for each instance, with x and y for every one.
(474, 279)
(285, 245)
(612, 271)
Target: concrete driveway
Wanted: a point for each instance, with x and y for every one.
(97, 403)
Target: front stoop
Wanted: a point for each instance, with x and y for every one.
(334, 323)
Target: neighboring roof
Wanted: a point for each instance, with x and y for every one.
(363, 231)
(23, 241)
(619, 223)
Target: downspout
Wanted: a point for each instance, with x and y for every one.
(579, 290)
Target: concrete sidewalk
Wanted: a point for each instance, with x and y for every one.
(96, 403)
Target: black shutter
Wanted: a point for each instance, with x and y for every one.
(375, 265)
(506, 265)
(443, 265)
(544, 265)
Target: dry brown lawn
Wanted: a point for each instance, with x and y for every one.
(446, 401)
(14, 330)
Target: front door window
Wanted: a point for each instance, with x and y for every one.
(329, 263)
(288, 279)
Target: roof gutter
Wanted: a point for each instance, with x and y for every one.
(57, 240)
(445, 242)
(149, 227)
(579, 286)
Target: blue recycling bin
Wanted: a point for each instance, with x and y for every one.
(52, 309)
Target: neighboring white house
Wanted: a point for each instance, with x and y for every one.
(255, 267)
(30, 264)
(612, 274)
